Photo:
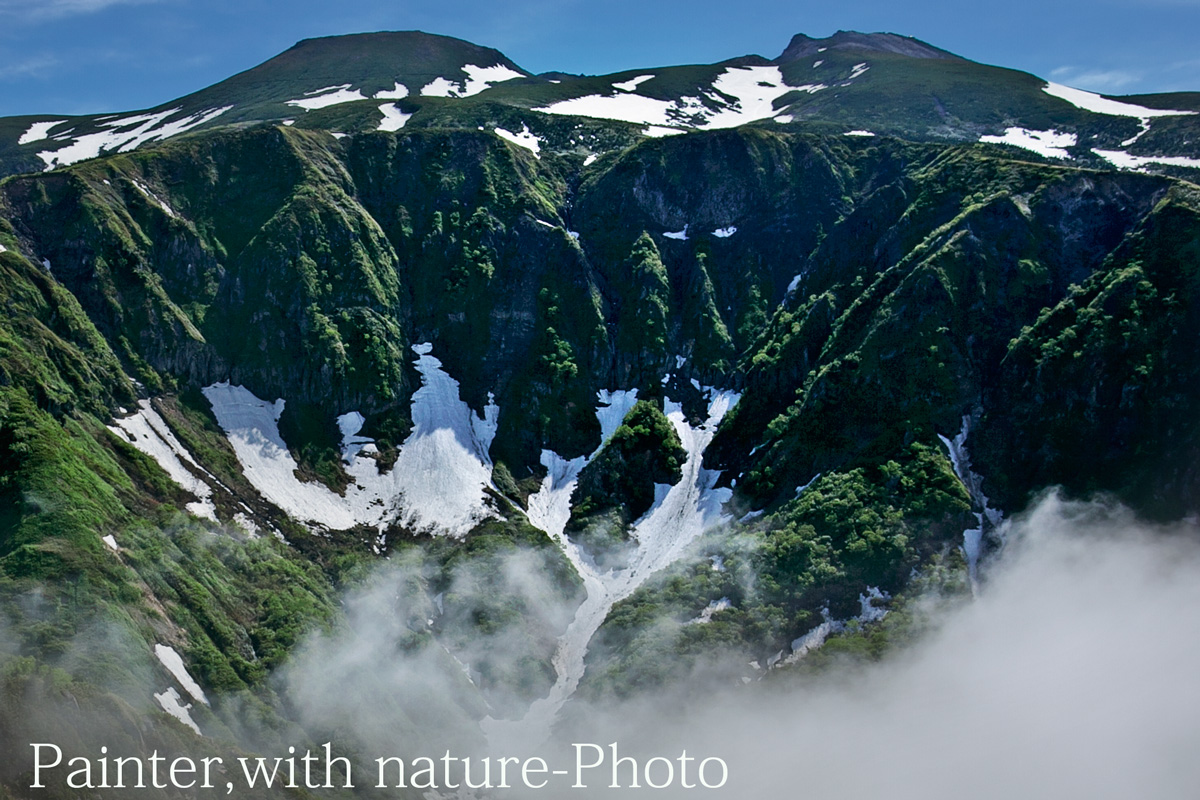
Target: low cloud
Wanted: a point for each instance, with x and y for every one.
(1071, 675)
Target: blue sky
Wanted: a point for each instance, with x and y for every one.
(86, 56)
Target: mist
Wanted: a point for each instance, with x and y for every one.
(1072, 674)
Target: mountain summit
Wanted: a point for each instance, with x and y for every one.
(803, 46)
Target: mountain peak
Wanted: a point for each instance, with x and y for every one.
(803, 46)
(369, 61)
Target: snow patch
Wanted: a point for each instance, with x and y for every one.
(858, 133)
(725, 233)
(1125, 160)
(393, 118)
(39, 131)
(1090, 101)
(857, 71)
(707, 614)
(111, 541)
(148, 432)
(169, 701)
(784, 119)
(818, 63)
(1049, 143)
(398, 93)
(680, 235)
(329, 96)
(174, 664)
(985, 515)
(478, 79)
(658, 131)
(632, 83)
(591, 159)
(437, 483)
(868, 611)
(801, 489)
(152, 197)
(736, 96)
(126, 134)
(794, 284)
(523, 139)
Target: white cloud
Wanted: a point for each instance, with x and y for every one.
(33, 67)
(40, 10)
(1104, 81)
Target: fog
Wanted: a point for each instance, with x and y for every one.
(1074, 673)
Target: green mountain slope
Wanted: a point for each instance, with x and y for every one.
(250, 373)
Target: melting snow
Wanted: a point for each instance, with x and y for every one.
(437, 482)
(811, 481)
(680, 235)
(1090, 101)
(858, 133)
(478, 79)
(148, 432)
(523, 139)
(784, 119)
(329, 96)
(707, 614)
(725, 233)
(398, 93)
(393, 118)
(174, 664)
(869, 612)
(961, 461)
(352, 444)
(39, 131)
(858, 70)
(169, 700)
(795, 283)
(753, 91)
(680, 513)
(1049, 143)
(633, 83)
(658, 131)
(152, 197)
(1126, 161)
(111, 542)
(818, 63)
(126, 134)
(591, 159)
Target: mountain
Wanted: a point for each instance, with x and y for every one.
(388, 395)
(852, 83)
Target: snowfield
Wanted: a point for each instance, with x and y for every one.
(437, 483)
(478, 79)
(329, 96)
(1125, 160)
(1049, 143)
(126, 134)
(753, 91)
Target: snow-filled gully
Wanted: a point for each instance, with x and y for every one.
(986, 515)
(680, 514)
